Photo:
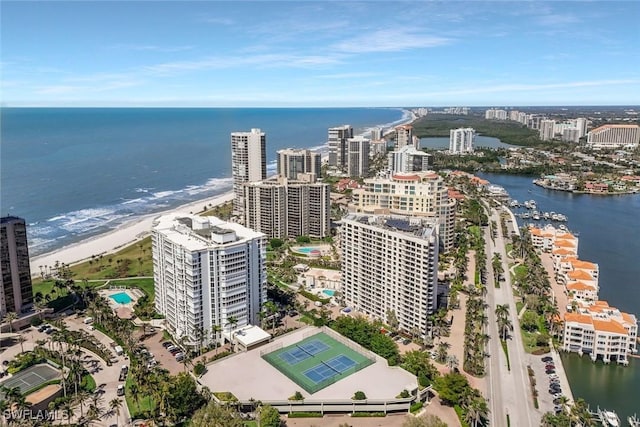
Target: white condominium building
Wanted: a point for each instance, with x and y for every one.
(292, 162)
(390, 264)
(377, 147)
(282, 208)
(409, 159)
(420, 194)
(358, 156)
(601, 332)
(337, 143)
(614, 136)
(547, 129)
(248, 162)
(461, 140)
(404, 137)
(207, 272)
(495, 114)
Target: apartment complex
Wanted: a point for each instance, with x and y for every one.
(292, 162)
(461, 140)
(601, 331)
(404, 137)
(16, 292)
(547, 129)
(207, 272)
(614, 136)
(248, 162)
(337, 143)
(409, 159)
(420, 194)
(390, 264)
(495, 114)
(358, 156)
(282, 208)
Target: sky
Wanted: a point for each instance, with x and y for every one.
(319, 54)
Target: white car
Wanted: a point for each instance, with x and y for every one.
(120, 391)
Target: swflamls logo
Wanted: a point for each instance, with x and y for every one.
(30, 414)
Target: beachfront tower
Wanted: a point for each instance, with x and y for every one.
(461, 140)
(248, 162)
(390, 263)
(16, 292)
(404, 137)
(358, 156)
(207, 272)
(292, 162)
(337, 143)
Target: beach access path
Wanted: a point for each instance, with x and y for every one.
(113, 241)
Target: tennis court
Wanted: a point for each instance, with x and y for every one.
(317, 361)
(31, 378)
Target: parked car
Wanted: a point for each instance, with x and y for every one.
(167, 344)
(120, 390)
(406, 341)
(547, 359)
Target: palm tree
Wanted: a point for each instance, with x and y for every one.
(215, 331)
(232, 321)
(10, 317)
(115, 405)
(441, 352)
(452, 362)
(505, 326)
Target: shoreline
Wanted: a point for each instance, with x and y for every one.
(113, 240)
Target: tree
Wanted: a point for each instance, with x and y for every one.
(115, 405)
(232, 321)
(214, 415)
(269, 416)
(215, 335)
(442, 351)
(392, 320)
(275, 243)
(10, 317)
(529, 321)
(452, 387)
(359, 395)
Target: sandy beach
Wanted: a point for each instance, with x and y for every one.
(115, 240)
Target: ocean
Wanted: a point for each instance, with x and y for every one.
(608, 236)
(77, 172)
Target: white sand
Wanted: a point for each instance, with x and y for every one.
(115, 240)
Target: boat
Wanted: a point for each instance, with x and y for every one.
(546, 215)
(525, 215)
(634, 421)
(608, 418)
(536, 216)
(562, 217)
(562, 227)
(514, 204)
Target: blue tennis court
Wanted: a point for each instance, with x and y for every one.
(294, 356)
(313, 347)
(329, 369)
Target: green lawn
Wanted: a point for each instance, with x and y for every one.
(145, 284)
(45, 287)
(146, 402)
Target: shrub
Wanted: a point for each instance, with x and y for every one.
(404, 394)
(36, 321)
(305, 415)
(368, 414)
(359, 395)
(199, 369)
(415, 407)
(297, 396)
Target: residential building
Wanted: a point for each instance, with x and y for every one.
(614, 136)
(291, 162)
(409, 159)
(282, 208)
(337, 143)
(404, 136)
(420, 194)
(601, 331)
(377, 148)
(207, 272)
(570, 135)
(547, 129)
(248, 162)
(358, 156)
(495, 114)
(16, 292)
(376, 134)
(390, 264)
(581, 124)
(461, 140)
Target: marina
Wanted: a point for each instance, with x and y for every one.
(532, 212)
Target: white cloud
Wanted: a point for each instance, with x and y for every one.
(389, 41)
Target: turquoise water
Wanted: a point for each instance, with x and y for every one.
(306, 250)
(329, 292)
(121, 298)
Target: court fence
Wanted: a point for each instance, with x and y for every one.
(270, 349)
(346, 341)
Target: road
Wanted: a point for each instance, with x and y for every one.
(510, 388)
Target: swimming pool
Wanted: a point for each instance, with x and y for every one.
(121, 298)
(307, 250)
(329, 292)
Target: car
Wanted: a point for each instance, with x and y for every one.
(557, 395)
(167, 344)
(293, 313)
(547, 359)
(553, 375)
(406, 341)
(550, 371)
(180, 358)
(557, 401)
(554, 390)
(171, 347)
(49, 331)
(42, 327)
(550, 366)
(397, 338)
(120, 390)
(175, 351)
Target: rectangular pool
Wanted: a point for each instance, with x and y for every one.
(121, 298)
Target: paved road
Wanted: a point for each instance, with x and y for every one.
(511, 392)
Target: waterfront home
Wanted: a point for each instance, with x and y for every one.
(596, 187)
(583, 292)
(601, 331)
(571, 268)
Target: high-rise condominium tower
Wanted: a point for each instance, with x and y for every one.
(390, 264)
(337, 143)
(292, 162)
(404, 137)
(16, 292)
(461, 140)
(207, 272)
(358, 156)
(248, 162)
